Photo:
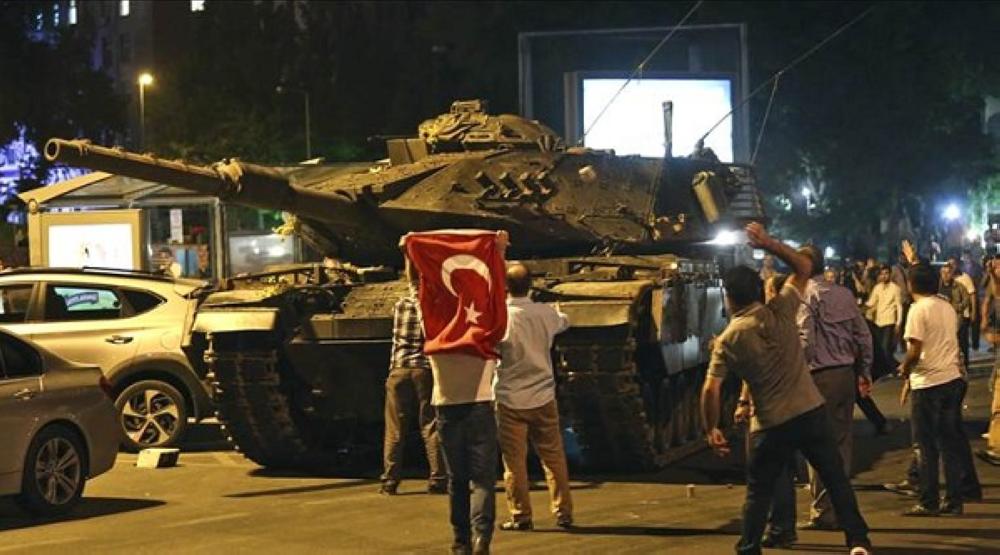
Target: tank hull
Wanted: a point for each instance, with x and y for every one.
(302, 387)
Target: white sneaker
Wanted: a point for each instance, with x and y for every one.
(860, 550)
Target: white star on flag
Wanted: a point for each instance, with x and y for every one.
(471, 314)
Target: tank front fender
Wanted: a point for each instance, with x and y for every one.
(236, 320)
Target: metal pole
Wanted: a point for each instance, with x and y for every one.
(142, 116)
(308, 129)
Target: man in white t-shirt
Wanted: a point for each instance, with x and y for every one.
(526, 403)
(934, 371)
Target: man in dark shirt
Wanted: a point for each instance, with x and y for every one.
(410, 382)
(760, 346)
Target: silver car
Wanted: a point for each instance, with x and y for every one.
(130, 324)
(57, 426)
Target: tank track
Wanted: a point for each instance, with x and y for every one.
(623, 421)
(253, 405)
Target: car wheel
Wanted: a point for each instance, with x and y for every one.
(54, 473)
(152, 414)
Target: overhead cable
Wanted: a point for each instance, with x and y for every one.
(801, 58)
(639, 68)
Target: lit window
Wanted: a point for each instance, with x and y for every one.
(55, 15)
(197, 5)
(123, 8)
(71, 19)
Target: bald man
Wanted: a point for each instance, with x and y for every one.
(526, 403)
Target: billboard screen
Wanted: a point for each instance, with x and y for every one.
(633, 123)
(99, 245)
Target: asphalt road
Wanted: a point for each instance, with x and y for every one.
(215, 501)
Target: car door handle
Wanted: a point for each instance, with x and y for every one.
(118, 339)
(24, 394)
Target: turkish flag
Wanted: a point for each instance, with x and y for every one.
(462, 290)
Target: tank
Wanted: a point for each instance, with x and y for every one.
(298, 356)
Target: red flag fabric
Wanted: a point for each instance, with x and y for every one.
(462, 290)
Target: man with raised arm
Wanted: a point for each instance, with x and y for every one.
(761, 346)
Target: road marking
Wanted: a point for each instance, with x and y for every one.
(206, 519)
(43, 543)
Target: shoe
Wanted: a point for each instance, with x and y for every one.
(437, 488)
(564, 521)
(949, 509)
(513, 525)
(991, 457)
(481, 546)
(920, 510)
(860, 550)
(813, 524)
(784, 540)
(902, 488)
(388, 487)
(458, 548)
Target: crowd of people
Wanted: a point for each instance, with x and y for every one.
(807, 345)
(848, 325)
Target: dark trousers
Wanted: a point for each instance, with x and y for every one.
(469, 440)
(936, 417)
(408, 391)
(839, 388)
(974, 328)
(971, 488)
(771, 449)
(884, 364)
(884, 346)
(963, 340)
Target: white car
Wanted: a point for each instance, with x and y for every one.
(57, 426)
(130, 324)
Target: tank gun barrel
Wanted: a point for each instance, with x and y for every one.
(230, 180)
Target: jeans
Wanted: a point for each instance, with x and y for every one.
(936, 416)
(771, 449)
(469, 439)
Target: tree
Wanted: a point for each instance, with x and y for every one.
(49, 89)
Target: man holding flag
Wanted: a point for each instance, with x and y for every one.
(463, 302)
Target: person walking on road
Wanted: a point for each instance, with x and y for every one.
(526, 403)
(408, 387)
(760, 346)
(838, 350)
(886, 305)
(934, 376)
(957, 294)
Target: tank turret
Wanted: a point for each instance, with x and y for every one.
(470, 169)
(298, 357)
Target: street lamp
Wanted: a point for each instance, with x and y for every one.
(282, 89)
(952, 212)
(145, 80)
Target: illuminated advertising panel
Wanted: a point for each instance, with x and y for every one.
(97, 245)
(633, 123)
(98, 239)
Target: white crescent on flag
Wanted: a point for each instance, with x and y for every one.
(464, 262)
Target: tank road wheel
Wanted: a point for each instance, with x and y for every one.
(259, 404)
(665, 417)
(152, 413)
(680, 412)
